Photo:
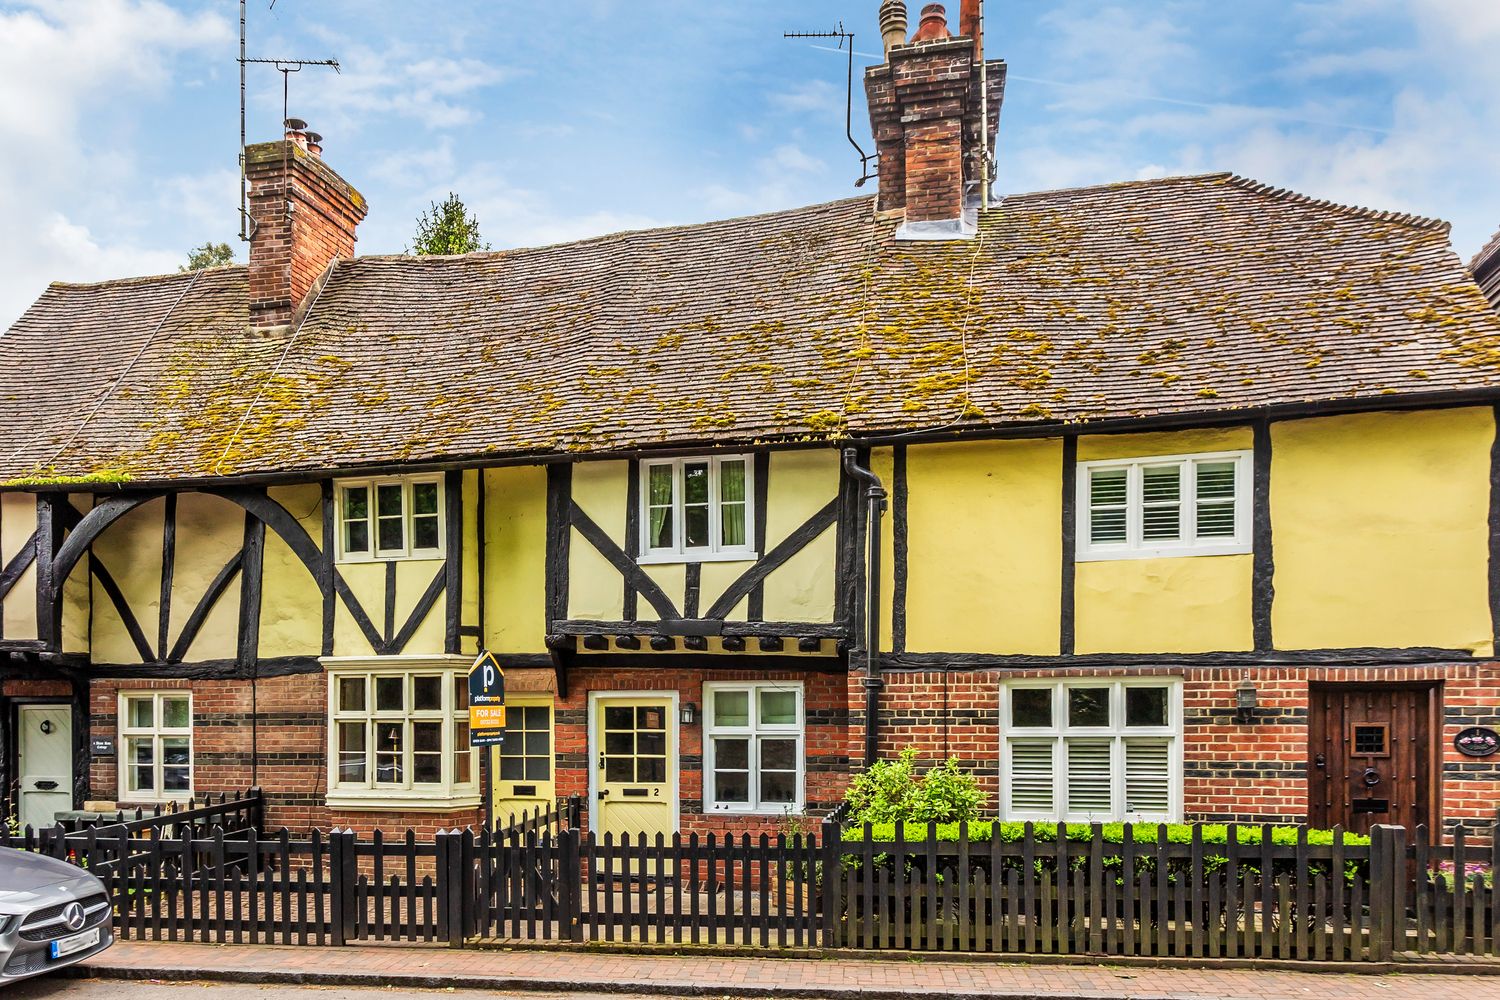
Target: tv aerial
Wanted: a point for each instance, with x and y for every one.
(286, 67)
(845, 37)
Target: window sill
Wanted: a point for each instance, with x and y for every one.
(1178, 552)
(403, 802)
(679, 559)
(773, 813)
(366, 560)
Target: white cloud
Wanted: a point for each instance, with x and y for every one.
(78, 74)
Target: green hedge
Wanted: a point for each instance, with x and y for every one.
(1083, 833)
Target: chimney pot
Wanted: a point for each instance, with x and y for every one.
(893, 23)
(971, 25)
(934, 24)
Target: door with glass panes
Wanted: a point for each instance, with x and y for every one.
(635, 765)
(523, 780)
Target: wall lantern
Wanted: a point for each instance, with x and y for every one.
(689, 713)
(1245, 699)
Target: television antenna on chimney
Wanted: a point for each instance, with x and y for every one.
(286, 67)
(844, 37)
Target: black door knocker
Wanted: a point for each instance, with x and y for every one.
(1372, 777)
(46, 727)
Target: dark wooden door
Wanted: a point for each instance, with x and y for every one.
(1370, 756)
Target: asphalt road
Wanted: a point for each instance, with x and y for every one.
(52, 988)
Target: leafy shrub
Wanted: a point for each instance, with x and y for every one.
(891, 790)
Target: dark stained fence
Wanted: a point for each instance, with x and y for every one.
(1244, 894)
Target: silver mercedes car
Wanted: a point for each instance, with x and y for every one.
(51, 914)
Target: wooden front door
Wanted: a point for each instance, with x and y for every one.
(635, 774)
(1370, 756)
(44, 762)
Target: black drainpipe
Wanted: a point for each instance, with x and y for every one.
(875, 507)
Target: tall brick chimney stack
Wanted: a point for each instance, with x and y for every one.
(303, 216)
(935, 125)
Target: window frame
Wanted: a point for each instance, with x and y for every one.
(157, 732)
(679, 551)
(375, 553)
(1136, 547)
(409, 794)
(1059, 733)
(754, 731)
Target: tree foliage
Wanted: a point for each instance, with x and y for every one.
(447, 228)
(208, 255)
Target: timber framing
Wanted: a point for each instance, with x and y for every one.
(1352, 657)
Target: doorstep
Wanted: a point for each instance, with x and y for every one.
(717, 973)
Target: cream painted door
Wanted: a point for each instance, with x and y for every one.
(524, 781)
(44, 762)
(635, 766)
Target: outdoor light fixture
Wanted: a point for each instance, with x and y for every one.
(1245, 700)
(689, 713)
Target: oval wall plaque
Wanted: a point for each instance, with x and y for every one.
(1477, 741)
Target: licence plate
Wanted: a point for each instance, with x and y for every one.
(78, 942)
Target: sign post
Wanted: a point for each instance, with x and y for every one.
(486, 720)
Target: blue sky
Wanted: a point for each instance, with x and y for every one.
(560, 120)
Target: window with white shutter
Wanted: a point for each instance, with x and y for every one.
(1168, 506)
(1091, 749)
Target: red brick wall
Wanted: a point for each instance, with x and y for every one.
(919, 106)
(1232, 770)
(827, 764)
(36, 689)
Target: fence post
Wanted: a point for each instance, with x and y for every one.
(832, 880)
(341, 882)
(570, 884)
(455, 886)
(1386, 873)
(575, 811)
(257, 815)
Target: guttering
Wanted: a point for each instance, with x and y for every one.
(875, 503)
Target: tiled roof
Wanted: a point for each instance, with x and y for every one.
(1162, 297)
(1486, 269)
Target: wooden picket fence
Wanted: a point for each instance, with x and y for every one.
(541, 878)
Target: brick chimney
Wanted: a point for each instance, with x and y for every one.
(934, 128)
(303, 216)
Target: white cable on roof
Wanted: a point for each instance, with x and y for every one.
(119, 381)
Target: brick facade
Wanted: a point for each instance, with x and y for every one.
(1253, 771)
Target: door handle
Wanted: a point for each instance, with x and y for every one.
(603, 792)
(46, 786)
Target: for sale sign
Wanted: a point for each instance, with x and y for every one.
(486, 702)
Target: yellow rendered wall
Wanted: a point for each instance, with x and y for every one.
(515, 527)
(1190, 604)
(131, 551)
(1380, 528)
(595, 588)
(802, 483)
(17, 525)
(75, 616)
(209, 533)
(985, 547)
(291, 605)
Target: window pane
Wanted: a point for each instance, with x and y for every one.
(460, 693)
(389, 694)
(618, 717)
(1145, 706)
(538, 769)
(1161, 519)
(175, 714)
(424, 532)
(536, 717)
(514, 769)
(650, 769)
(615, 744)
(388, 753)
(1088, 706)
(695, 524)
(357, 536)
(463, 762)
(732, 481)
(1031, 707)
(647, 743)
(1090, 776)
(175, 779)
(391, 534)
(778, 755)
(732, 786)
(650, 718)
(732, 753)
(1107, 488)
(778, 787)
(427, 694)
(352, 751)
(356, 503)
(142, 754)
(1107, 526)
(659, 489)
(1216, 520)
(619, 769)
(1215, 480)
(695, 482)
(140, 712)
(351, 694)
(174, 750)
(536, 744)
(731, 708)
(732, 524)
(659, 531)
(778, 708)
(424, 498)
(388, 500)
(427, 752)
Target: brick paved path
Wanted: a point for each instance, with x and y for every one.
(416, 967)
